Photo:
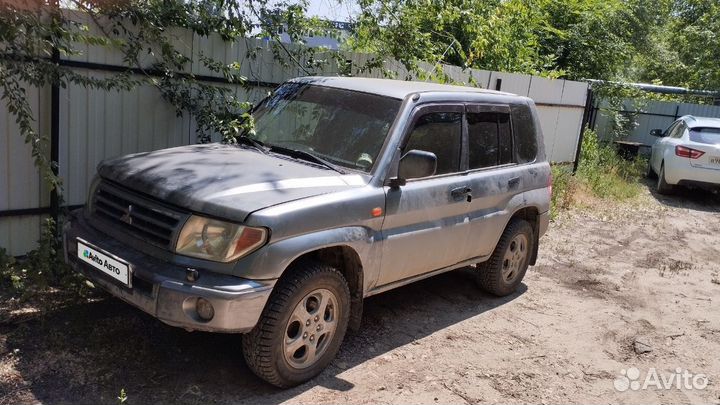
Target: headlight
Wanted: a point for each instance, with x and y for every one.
(219, 241)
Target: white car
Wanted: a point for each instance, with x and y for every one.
(687, 154)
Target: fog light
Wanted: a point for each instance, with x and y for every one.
(204, 309)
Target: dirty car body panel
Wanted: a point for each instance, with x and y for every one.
(139, 204)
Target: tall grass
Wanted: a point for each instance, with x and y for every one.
(564, 187)
(602, 172)
(606, 173)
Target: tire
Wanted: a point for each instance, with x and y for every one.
(662, 186)
(498, 275)
(306, 285)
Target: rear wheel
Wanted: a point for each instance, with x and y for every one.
(504, 271)
(302, 325)
(662, 186)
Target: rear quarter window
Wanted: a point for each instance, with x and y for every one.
(523, 123)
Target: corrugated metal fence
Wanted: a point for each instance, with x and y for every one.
(649, 116)
(94, 125)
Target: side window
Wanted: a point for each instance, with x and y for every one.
(489, 139)
(506, 139)
(441, 134)
(524, 133)
(679, 130)
(483, 142)
(673, 130)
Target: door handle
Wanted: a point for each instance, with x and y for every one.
(513, 182)
(461, 193)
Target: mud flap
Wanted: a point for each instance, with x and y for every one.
(536, 244)
(356, 310)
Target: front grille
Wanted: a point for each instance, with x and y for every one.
(139, 216)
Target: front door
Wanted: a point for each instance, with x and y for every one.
(426, 219)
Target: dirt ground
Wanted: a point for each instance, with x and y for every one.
(612, 281)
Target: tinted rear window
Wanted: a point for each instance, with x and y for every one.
(524, 130)
(705, 135)
(489, 139)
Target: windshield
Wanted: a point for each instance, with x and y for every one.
(705, 135)
(344, 127)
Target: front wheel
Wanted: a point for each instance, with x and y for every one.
(302, 325)
(503, 272)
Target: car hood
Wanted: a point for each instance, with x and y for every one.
(227, 181)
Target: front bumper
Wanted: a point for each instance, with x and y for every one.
(160, 288)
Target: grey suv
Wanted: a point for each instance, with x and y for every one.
(345, 188)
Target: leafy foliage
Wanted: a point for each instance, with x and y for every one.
(34, 33)
(572, 38)
(684, 47)
(40, 268)
(671, 42)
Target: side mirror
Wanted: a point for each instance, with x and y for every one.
(417, 163)
(657, 132)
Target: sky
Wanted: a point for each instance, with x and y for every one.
(336, 10)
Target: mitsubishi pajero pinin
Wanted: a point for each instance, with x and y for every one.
(345, 188)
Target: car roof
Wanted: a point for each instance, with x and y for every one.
(391, 88)
(701, 122)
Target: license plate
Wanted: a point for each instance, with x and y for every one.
(109, 264)
(715, 160)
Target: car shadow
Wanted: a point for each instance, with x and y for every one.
(87, 353)
(683, 197)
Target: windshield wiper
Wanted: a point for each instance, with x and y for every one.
(301, 154)
(244, 139)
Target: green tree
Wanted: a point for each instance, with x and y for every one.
(568, 38)
(33, 31)
(685, 47)
(35, 34)
(597, 39)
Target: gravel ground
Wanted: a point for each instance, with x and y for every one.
(627, 288)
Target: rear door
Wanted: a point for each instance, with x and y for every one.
(426, 219)
(494, 176)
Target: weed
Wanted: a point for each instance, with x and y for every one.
(563, 188)
(122, 397)
(607, 174)
(602, 172)
(8, 271)
(41, 268)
